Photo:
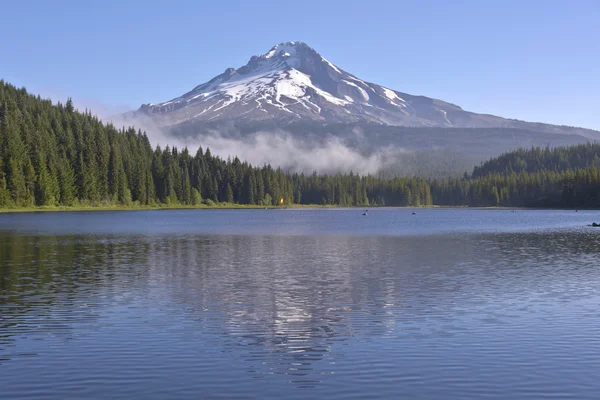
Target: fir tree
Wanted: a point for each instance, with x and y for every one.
(229, 194)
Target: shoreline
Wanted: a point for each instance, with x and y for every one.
(128, 208)
(251, 207)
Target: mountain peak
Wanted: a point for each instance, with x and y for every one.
(294, 82)
(286, 47)
(281, 56)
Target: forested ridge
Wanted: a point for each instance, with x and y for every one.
(539, 159)
(53, 155)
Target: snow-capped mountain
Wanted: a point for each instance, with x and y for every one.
(293, 82)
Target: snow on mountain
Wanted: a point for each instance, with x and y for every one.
(293, 82)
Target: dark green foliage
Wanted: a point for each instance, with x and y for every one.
(229, 194)
(566, 189)
(537, 159)
(54, 155)
(196, 198)
(566, 177)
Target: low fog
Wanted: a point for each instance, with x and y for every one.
(278, 148)
(330, 154)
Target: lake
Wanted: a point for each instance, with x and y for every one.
(300, 303)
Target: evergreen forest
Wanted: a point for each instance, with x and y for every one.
(53, 155)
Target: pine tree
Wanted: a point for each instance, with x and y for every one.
(43, 190)
(214, 192)
(260, 186)
(115, 166)
(186, 187)
(196, 197)
(229, 194)
(66, 182)
(69, 106)
(251, 187)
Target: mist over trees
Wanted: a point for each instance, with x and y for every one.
(307, 145)
(53, 155)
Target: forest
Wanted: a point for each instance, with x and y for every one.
(53, 155)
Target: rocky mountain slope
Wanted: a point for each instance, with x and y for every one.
(293, 82)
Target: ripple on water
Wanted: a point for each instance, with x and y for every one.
(448, 315)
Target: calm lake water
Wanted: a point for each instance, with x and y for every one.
(445, 304)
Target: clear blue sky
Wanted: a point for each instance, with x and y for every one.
(534, 60)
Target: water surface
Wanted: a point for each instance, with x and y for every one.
(452, 304)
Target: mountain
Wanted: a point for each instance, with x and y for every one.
(57, 156)
(292, 82)
(293, 108)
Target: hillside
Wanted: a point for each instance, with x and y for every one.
(292, 93)
(538, 159)
(52, 155)
(368, 138)
(293, 82)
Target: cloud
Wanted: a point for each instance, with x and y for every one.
(277, 148)
(286, 151)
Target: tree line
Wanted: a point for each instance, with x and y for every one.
(537, 159)
(54, 155)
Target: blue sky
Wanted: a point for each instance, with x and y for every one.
(532, 60)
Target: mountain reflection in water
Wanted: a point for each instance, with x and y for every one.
(460, 314)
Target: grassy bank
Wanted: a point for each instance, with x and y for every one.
(215, 206)
(129, 208)
(227, 206)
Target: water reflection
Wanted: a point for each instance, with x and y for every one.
(290, 296)
(284, 305)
